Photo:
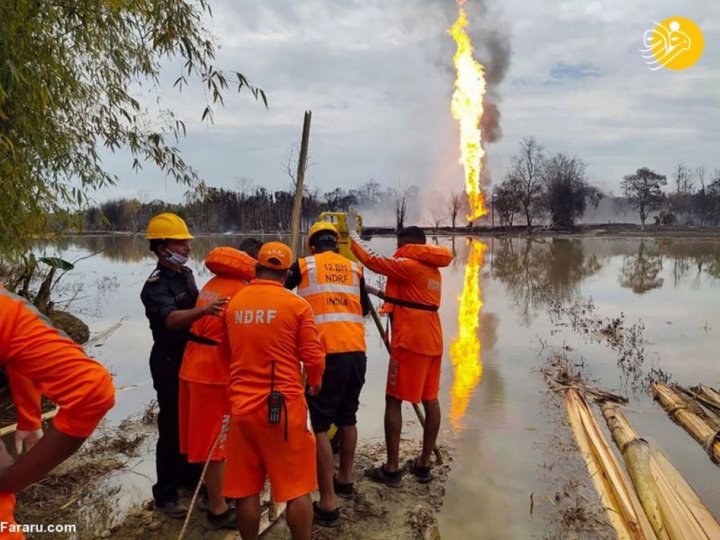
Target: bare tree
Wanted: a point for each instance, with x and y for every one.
(526, 176)
(438, 214)
(699, 173)
(643, 192)
(455, 204)
(400, 204)
(683, 179)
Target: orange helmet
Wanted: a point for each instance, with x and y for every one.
(167, 226)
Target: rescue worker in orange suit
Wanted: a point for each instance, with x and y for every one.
(413, 292)
(334, 287)
(33, 349)
(272, 334)
(169, 297)
(204, 377)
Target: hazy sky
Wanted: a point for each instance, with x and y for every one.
(378, 77)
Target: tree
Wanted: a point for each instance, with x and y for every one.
(401, 197)
(70, 77)
(455, 204)
(566, 191)
(525, 176)
(506, 203)
(643, 192)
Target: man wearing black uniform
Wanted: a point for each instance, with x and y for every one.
(169, 296)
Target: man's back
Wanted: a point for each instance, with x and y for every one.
(270, 329)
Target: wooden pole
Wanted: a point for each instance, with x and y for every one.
(299, 187)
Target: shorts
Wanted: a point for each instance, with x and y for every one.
(339, 396)
(412, 376)
(257, 449)
(201, 411)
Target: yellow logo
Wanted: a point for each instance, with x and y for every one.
(676, 43)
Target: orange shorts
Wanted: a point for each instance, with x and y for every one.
(412, 376)
(256, 449)
(7, 520)
(201, 409)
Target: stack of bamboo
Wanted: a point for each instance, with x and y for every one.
(698, 424)
(671, 505)
(661, 505)
(616, 494)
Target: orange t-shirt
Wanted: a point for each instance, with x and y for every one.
(208, 364)
(267, 323)
(34, 349)
(413, 276)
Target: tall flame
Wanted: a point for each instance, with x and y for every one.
(465, 348)
(467, 109)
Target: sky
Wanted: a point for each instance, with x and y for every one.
(378, 78)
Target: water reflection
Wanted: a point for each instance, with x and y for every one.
(641, 272)
(537, 273)
(465, 348)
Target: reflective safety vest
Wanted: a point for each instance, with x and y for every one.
(331, 285)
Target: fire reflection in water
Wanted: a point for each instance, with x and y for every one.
(465, 348)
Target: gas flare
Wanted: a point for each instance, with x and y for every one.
(467, 109)
(465, 348)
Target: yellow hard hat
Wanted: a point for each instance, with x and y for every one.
(167, 226)
(321, 226)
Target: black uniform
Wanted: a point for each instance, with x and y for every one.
(166, 291)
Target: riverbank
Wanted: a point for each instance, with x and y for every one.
(610, 230)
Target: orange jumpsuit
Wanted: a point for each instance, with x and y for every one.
(31, 347)
(271, 333)
(416, 340)
(205, 368)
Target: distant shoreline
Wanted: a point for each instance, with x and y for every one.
(590, 230)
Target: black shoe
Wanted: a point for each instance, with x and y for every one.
(226, 520)
(325, 518)
(422, 474)
(172, 509)
(345, 491)
(383, 476)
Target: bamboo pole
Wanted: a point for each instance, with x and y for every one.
(711, 395)
(299, 187)
(12, 428)
(617, 497)
(636, 453)
(691, 422)
(664, 493)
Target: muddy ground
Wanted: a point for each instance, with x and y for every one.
(376, 511)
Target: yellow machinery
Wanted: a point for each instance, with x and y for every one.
(339, 220)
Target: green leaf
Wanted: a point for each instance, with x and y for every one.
(56, 262)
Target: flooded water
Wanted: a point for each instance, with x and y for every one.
(506, 303)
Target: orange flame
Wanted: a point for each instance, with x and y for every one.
(467, 109)
(465, 348)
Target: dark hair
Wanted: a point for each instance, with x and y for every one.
(411, 235)
(324, 241)
(263, 272)
(251, 246)
(155, 244)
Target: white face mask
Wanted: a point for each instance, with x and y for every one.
(176, 258)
